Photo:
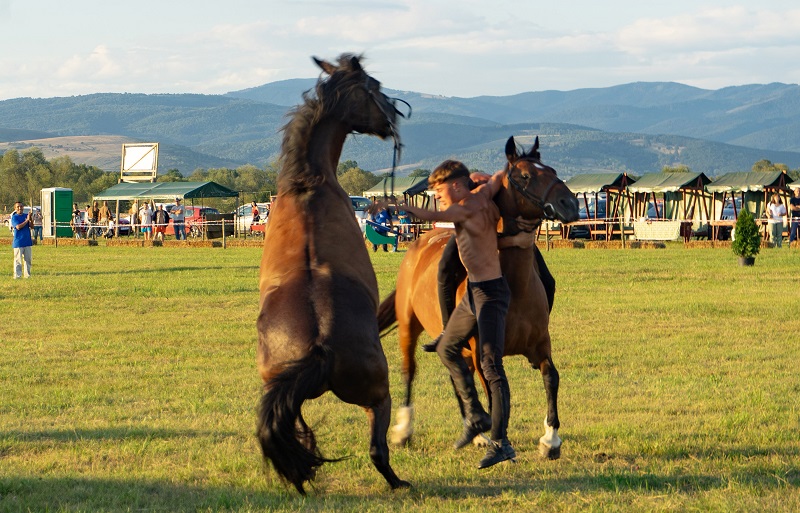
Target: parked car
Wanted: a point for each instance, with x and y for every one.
(360, 207)
(583, 231)
(25, 210)
(195, 217)
(729, 214)
(244, 215)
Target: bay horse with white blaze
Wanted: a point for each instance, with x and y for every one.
(531, 190)
(316, 327)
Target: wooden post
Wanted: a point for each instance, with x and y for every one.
(223, 235)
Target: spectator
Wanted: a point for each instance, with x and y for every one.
(384, 218)
(104, 214)
(92, 218)
(133, 214)
(178, 220)
(794, 227)
(76, 222)
(21, 226)
(37, 224)
(776, 211)
(256, 214)
(110, 231)
(161, 221)
(146, 218)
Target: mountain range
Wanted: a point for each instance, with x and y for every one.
(636, 128)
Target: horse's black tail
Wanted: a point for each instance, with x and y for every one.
(285, 438)
(386, 313)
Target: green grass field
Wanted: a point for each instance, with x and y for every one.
(129, 384)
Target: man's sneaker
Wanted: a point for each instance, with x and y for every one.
(473, 429)
(498, 451)
(430, 347)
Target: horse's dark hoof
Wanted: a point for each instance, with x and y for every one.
(549, 453)
(401, 484)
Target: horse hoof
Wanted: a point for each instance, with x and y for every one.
(399, 439)
(549, 453)
(401, 484)
(480, 441)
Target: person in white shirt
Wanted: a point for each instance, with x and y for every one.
(777, 211)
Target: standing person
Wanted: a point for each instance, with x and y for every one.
(483, 308)
(776, 210)
(21, 226)
(133, 214)
(178, 220)
(161, 220)
(92, 218)
(256, 213)
(37, 224)
(383, 218)
(104, 214)
(146, 219)
(76, 223)
(794, 209)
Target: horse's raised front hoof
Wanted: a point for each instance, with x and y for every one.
(402, 431)
(549, 453)
(399, 439)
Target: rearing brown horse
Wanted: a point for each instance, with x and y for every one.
(531, 190)
(317, 328)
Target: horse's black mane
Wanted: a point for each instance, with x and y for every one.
(295, 172)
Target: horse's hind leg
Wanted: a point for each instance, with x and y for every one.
(550, 443)
(379, 417)
(408, 332)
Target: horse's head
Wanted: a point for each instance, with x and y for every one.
(538, 193)
(355, 98)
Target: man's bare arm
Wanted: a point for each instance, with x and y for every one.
(454, 214)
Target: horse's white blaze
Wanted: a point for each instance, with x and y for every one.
(550, 438)
(404, 428)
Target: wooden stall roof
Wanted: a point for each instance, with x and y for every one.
(747, 181)
(669, 182)
(590, 183)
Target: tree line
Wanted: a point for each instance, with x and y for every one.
(24, 175)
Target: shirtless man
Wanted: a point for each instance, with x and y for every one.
(483, 308)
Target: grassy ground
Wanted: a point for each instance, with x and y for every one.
(129, 383)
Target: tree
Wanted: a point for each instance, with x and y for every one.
(766, 166)
(419, 172)
(355, 181)
(346, 166)
(172, 175)
(679, 168)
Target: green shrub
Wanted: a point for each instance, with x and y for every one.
(747, 241)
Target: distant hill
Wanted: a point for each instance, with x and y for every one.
(637, 127)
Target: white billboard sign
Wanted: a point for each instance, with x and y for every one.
(139, 162)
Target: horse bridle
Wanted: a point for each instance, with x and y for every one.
(398, 146)
(537, 201)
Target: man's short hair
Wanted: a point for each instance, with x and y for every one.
(447, 171)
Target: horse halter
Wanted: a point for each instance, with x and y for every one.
(547, 208)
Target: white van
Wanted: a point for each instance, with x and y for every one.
(360, 206)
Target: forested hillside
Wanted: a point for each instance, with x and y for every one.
(637, 128)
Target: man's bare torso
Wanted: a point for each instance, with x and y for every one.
(477, 239)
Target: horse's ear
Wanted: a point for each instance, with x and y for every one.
(535, 145)
(327, 67)
(511, 150)
(355, 63)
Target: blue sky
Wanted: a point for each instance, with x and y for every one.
(454, 48)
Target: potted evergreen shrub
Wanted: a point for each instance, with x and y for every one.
(747, 241)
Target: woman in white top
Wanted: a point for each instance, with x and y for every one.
(777, 211)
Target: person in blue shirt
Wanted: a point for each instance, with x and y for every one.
(21, 226)
(384, 218)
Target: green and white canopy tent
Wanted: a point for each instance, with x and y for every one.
(683, 194)
(754, 188)
(165, 191)
(402, 184)
(613, 185)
